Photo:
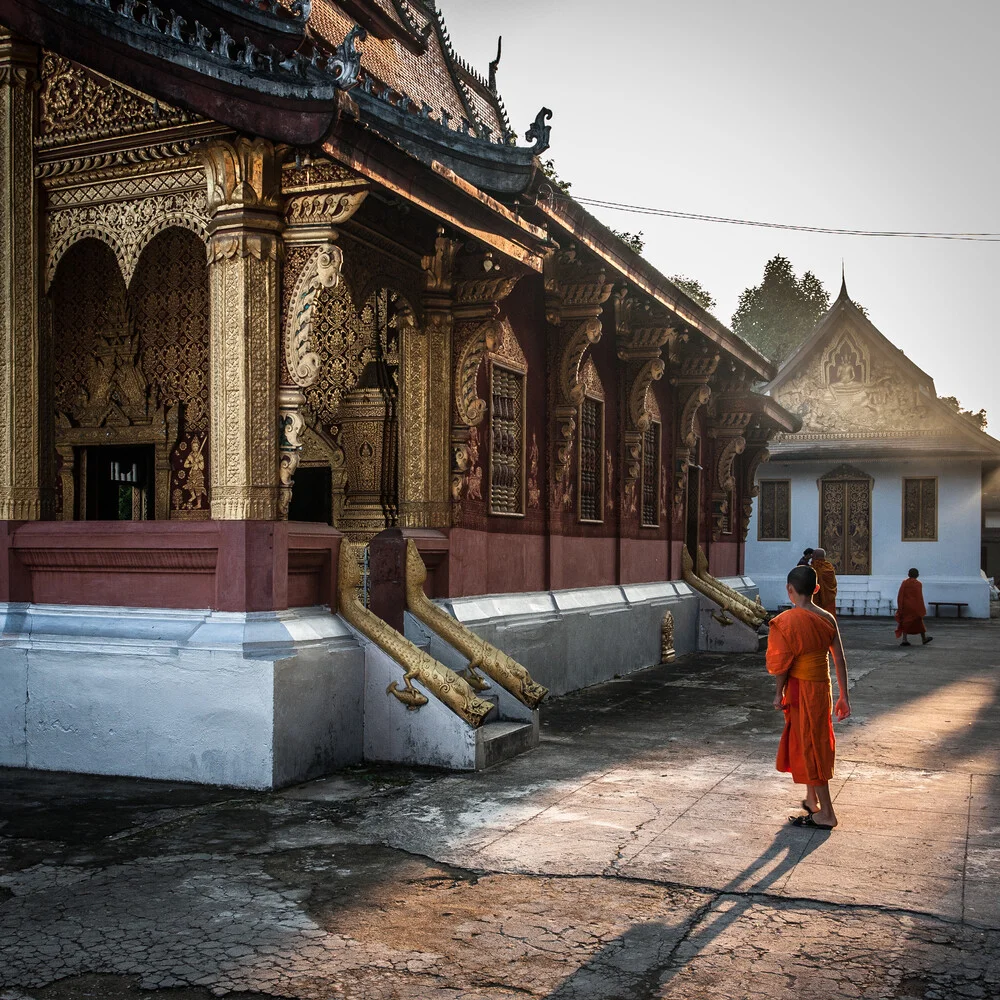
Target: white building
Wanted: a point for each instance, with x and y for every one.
(883, 475)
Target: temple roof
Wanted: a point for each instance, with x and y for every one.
(860, 396)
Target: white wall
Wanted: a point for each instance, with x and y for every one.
(949, 567)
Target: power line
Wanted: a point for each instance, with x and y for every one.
(699, 217)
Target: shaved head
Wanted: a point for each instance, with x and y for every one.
(819, 553)
(802, 580)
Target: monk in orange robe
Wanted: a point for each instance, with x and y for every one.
(826, 577)
(910, 610)
(798, 645)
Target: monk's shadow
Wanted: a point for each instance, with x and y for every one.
(648, 955)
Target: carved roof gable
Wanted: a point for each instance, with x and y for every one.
(79, 105)
(848, 381)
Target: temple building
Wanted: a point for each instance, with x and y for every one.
(277, 277)
(883, 475)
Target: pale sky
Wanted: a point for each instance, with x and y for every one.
(879, 114)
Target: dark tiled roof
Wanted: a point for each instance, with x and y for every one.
(435, 76)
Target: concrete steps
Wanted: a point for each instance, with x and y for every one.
(499, 741)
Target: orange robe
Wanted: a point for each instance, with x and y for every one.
(798, 643)
(910, 608)
(826, 577)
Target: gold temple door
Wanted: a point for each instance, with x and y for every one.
(846, 521)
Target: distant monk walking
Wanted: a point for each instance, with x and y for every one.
(910, 610)
(797, 649)
(826, 576)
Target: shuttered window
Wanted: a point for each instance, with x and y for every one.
(920, 510)
(591, 466)
(774, 520)
(507, 442)
(651, 476)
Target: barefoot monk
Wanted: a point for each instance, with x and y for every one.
(910, 610)
(797, 654)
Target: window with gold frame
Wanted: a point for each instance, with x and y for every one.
(920, 506)
(650, 486)
(507, 441)
(591, 463)
(774, 515)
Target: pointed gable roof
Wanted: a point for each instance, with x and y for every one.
(860, 396)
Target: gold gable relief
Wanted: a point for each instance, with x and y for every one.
(78, 105)
(850, 391)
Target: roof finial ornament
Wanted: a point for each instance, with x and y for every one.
(345, 63)
(539, 132)
(495, 65)
(843, 280)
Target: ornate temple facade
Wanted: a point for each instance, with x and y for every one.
(883, 474)
(277, 277)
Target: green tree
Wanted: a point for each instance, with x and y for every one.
(634, 241)
(976, 419)
(549, 169)
(779, 313)
(694, 289)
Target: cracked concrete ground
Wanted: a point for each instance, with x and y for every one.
(642, 851)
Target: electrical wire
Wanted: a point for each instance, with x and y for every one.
(699, 217)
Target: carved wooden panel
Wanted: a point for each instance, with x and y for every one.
(169, 300)
(774, 520)
(506, 441)
(591, 460)
(651, 476)
(846, 525)
(920, 510)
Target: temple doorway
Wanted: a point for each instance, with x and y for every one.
(312, 497)
(120, 484)
(846, 523)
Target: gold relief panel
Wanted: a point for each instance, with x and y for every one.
(79, 105)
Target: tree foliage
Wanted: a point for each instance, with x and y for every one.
(977, 419)
(549, 169)
(779, 313)
(634, 241)
(694, 289)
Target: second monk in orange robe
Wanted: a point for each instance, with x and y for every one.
(910, 610)
(826, 577)
(798, 645)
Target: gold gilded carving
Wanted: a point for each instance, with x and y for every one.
(125, 215)
(725, 478)
(244, 198)
(194, 467)
(849, 391)
(243, 174)
(687, 440)
(475, 342)
(667, 652)
(534, 491)
(493, 662)
(78, 104)
(322, 270)
(735, 598)
(443, 683)
(323, 208)
(718, 593)
(24, 447)
(750, 488)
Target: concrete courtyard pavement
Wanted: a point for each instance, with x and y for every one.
(642, 851)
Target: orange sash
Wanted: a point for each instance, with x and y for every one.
(813, 665)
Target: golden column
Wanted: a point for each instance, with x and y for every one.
(244, 250)
(24, 428)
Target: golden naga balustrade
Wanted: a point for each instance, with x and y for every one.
(441, 681)
(495, 663)
(716, 591)
(754, 607)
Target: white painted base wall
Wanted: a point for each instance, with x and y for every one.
(949, 567)
(251, 700)
(263, 700)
